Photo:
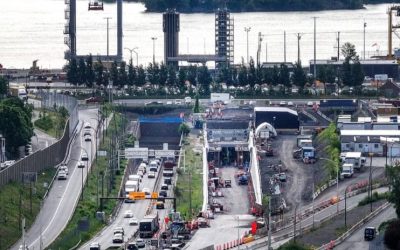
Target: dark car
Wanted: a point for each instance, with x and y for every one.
(164, 187)
(168, 181)
(160, 205)
(369, 233)
(163, 193)
(93, 99)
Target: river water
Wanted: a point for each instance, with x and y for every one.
(33, 29)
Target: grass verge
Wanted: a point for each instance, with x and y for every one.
(375, 197)
(84, 224)
(15, 203)
(190, 183)
(51, 122)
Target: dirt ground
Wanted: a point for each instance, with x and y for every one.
(332, 229)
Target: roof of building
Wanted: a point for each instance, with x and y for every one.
(275, 109)
(370, 133)
(224, 124)
(360, 139)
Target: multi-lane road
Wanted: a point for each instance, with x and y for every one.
(60, 203)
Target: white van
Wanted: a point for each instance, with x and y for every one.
(134, 177)
(153, 166)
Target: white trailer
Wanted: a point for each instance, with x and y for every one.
(354, 158)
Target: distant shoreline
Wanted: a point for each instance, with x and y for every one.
(243, 6)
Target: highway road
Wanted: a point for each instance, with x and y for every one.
(139, 208)
(60, 203)
(356, 240)
(318, 216)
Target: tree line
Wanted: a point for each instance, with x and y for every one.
(85, 72)
(253, 5)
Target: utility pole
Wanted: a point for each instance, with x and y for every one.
(315, 52)
(298, 46)
(338, 45)
(108, 37)
(284, 46)
(266, 52)
(247, 30)
(269, 223)
(365, 25)
(154, 49)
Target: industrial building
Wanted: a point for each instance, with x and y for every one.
(171, 36)
(280, 118)
(154, 132)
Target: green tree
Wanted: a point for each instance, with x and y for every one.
(15, 124)
(153, 73)
(3, 86)
(72, 72)
(196, 108)
(242, 76)
(99, 73)
(132, 76)
(184, 129)
(204, 79)
(82, 72)
(90, 75)
(348, 51)
(392, 235)
(123, 76)
(394, 180)
(114, 76)
(251, 74)
(275, 75)
(299, 76)
(163, 74)
(330, 143)
(357, 72)
(346, 75)
(181, 78)
(141, 76)
(171, 81)
(284, 77)
(191, 75)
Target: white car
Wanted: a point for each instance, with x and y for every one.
(140, 243)
(282, 103)
(87, 125)
(84, 157)
(81, 164)
(128, 214)
(310, 104)
(61, 175)
(118, 238)
(64, 168)
(290, 104)
(133, 221)
(151, 174)
(178, 102)
(88, 138)
(169, 103)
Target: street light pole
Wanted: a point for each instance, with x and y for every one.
(247, 30)
(137, 56)
(315, 47)
(130, 51)
(365, 25)
(370, 181)
(154, 49)
(108, 37)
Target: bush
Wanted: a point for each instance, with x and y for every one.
(375, 197)
(293, 246)
(45, 123)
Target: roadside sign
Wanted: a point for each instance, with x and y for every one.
(154, 195)
(137, 153)
(137, 195)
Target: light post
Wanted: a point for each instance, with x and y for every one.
(108, 39)
(247, 30)
(137, 55)
(370, 181)
(337, 180)
(345, 205)
(365, 25)
(130, 51)
(315, 47)
(154, 49)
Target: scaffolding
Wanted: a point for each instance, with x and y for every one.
(224, 37)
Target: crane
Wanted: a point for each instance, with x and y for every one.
(392, 28)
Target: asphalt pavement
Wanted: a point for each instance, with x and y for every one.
(356, 240)
(60, 203)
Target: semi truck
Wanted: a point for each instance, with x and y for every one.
(148, 226)
(18, 91)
